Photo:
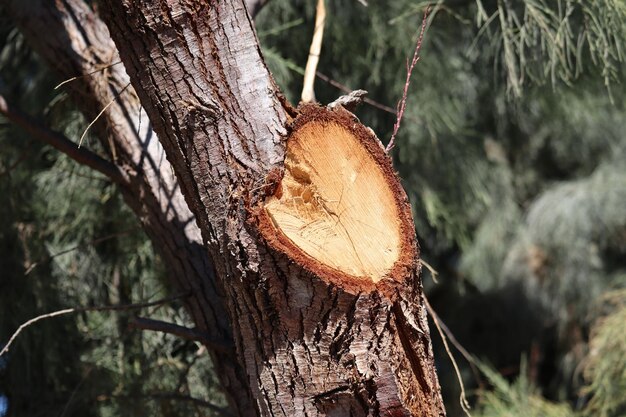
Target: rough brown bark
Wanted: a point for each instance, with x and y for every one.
(77, 43)
(313, 341)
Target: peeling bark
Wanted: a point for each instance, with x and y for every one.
(313, 341)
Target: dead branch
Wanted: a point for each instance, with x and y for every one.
(69, 80)
(433, 272)
(61, 143)
(409, 72)
(308, 91)
(348, 90)
(183, 332)
(80, 142)
(135, 306)
(463, 398)
(33, 321)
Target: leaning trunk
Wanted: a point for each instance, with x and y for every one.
(75, 42)
(309, 229)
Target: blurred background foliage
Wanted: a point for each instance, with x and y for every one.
(512, 151)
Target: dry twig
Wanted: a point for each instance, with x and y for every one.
(308, 92)
(433, 272)
(183, 332)
(80, 142)
(61, 143)
(62, 83)
(84, 309)
(409, 71)
(438, 324)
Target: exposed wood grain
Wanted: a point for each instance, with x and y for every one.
(335, 204)
(311, 345)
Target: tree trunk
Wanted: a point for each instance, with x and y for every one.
(309, 229)
(77, 43)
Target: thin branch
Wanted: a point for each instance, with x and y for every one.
(409, 71)
(468, 356)
(299, 70)
(61, 143)
(33, 321)
(136, 306)
(80, 142)
(75, 390)
(280, 28)
(348, 90)
(308, 91)
(463, 398)
(186, 333)
(433, 272)
(86, 75)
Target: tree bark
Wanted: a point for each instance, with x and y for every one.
(77, 44)
(315, 335)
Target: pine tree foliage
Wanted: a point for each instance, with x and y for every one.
(519, 399)
(543, 40)
(511, 152)
(604, 367)
(606, 364)
(590, 215)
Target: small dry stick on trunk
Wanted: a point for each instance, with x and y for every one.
(409, 71)
(308, 93)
